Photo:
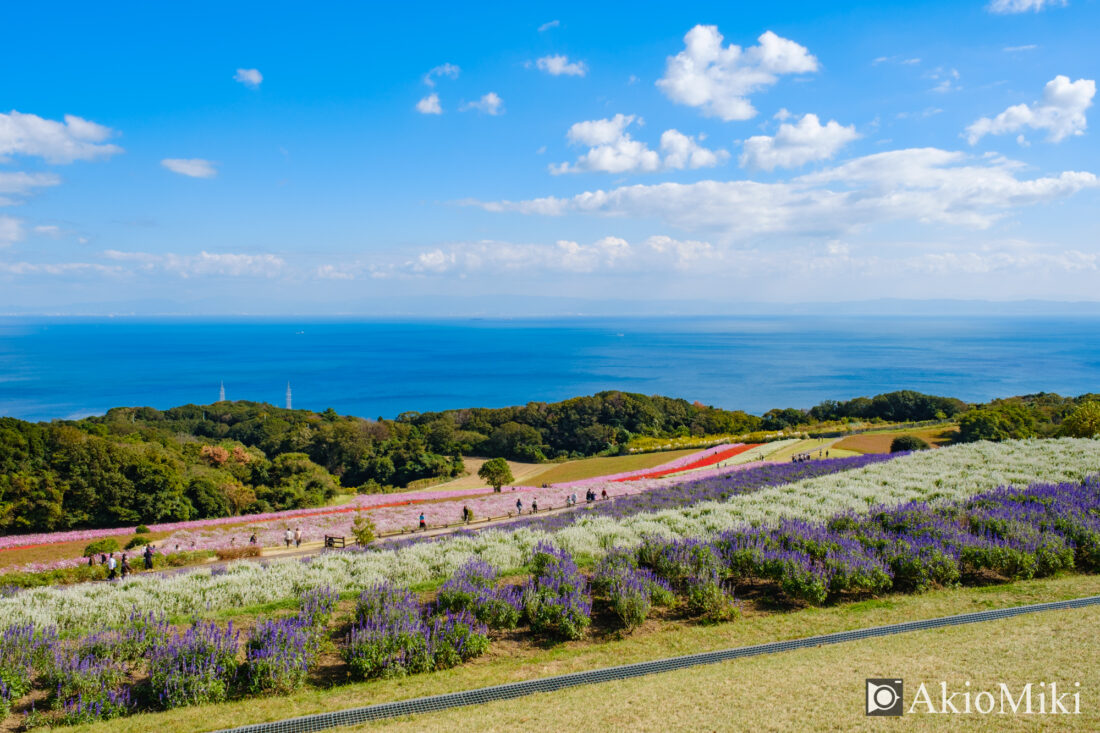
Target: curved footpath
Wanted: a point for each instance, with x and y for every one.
(316, 547)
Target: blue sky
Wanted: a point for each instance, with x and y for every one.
(274, 157)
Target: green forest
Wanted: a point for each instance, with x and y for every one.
(143, 465)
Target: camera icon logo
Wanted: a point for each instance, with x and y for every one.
(885, 697)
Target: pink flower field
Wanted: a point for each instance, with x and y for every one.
(390, 512)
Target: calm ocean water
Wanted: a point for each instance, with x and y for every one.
(63, 368)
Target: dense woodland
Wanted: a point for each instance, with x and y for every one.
(142, 465)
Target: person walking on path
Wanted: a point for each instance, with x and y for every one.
(289, 536)
(519, 506)
(148, 554)
(111, 565)
(423, 523)
(252, 539)
(467, 515)
(534, 505)
(297, 536)
(125, 566)
(603, 494)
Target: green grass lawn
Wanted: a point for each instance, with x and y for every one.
(509, 660)
(593, 467)
(823, 688)
(810, 445)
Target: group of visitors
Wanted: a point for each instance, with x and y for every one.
(807, 456)
(534, 506)
(590, 495)
(290, 536)
(467, 514)
(121, 566)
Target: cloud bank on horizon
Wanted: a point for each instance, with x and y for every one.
(771, 153)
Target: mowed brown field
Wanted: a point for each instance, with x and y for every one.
(880, 442)
(65, 550)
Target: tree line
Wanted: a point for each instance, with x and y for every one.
(143, 465)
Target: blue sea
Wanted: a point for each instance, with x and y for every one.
(72, 367)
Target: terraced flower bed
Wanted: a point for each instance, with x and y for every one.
(947, 474)
(1004, 534)
(715, 457)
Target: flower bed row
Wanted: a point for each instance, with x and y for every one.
(684, 493)
(363, 501)
(205, 534)
(678, 463)
(715, 458)
(397, 517)
(1007, 533)
(944, 474)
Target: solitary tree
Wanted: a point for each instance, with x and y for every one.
(496, 473)
(363, 528)
(908, 442)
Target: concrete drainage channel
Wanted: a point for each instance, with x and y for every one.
(400, 708)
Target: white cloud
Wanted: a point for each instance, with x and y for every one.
(56, 268)
(560, 65)
(1004, 7)
(334, 272)
(684, 253)
(613, 150)
(895, 60)
(600, 132)
(448, 70)
(828, 263)
(429, 105)
(1061, 112)
(797, 144)
(682, 151)
(718, 80)
(48, 230)
(494, 256)
(923, 114)
(1014, 49)
(56, 142)
(549, 25)
(490, 104)
(18, 183)
(917, 185)
(191, 167)
(204, 263)
(948, 81)
(251, 78)
(11, 230)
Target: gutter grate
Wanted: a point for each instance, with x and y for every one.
(434, 703)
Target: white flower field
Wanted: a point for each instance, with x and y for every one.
(946, 473)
